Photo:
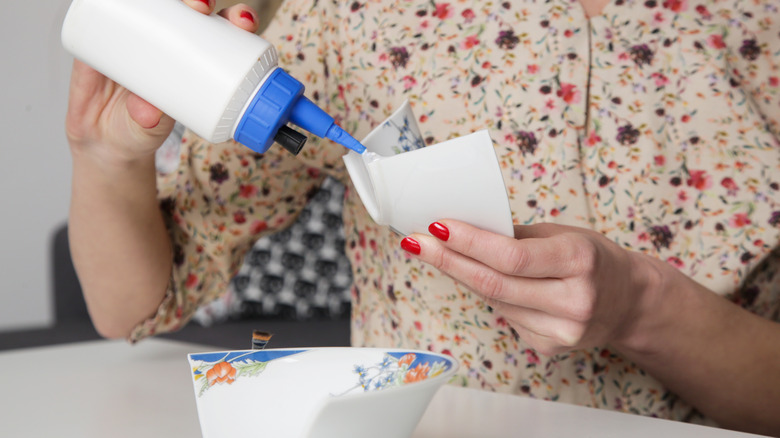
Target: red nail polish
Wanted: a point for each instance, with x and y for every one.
(248, 15)
(439, 231)
(410, 245)
(206, 2)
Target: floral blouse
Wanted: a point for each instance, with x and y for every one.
(655, 123)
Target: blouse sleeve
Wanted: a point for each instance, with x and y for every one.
(219, 201)
(223, 197)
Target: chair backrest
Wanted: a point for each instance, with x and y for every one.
(69, 302)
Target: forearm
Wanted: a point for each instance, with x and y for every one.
(120, 246)
(715, 355)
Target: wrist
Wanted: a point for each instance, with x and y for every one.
(110, 159)
(655, 286)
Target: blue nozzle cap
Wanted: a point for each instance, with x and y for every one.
(310, 117)
(278, 100)
(268, 111)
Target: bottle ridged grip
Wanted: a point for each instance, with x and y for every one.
(266, 63)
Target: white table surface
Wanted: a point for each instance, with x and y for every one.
(110, 389)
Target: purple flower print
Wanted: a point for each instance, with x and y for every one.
(526, 141)
(219, 173)
(627, 135)
(507, 39)
(750, 50)
(774, 219)
(399, 56)
(641, 54)
(661, 236)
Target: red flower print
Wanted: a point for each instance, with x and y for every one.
(239, 217)
(532, 69)
(222, 372)
(247, 191)
(676, 5)
(418, 325)
(470, 42)
(192, 281)
(699, 179)
(702, 10)
(538, 170)
(569, 93)
(443, 11)
(729, 185)
(739, 220)
(468, 14)
(716, 42)
(593, 139)
(676, 262)
(660, 79)
(659, 160)
(258, 227)
(531, 357)
(774, 81)
(409, 82)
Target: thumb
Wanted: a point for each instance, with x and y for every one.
(148, 116)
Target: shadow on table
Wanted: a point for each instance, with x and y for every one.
(73, 323)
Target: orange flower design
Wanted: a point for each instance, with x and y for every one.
(222, 372)
(406, 359)
(418, 373)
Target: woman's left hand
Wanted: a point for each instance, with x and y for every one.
(560, 287)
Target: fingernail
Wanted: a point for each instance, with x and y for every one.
(410, 245)
(248, 15)
(205, 2)
(439, 231)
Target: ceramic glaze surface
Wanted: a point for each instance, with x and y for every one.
(407, 186)
(314, 392)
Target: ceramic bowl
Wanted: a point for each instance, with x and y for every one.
(316, 392)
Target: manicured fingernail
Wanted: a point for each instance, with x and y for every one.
(205, 2)
(410, 245)
(439, 231)
(248, 15)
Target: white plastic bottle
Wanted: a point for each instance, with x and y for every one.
(213, 77)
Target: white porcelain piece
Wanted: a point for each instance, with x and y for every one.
(316, 392)
(456, 179)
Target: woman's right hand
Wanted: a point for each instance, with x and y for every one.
(111, 123)
(121, 248)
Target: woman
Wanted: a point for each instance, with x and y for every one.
(640, 153)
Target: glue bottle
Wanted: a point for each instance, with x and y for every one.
(218, 80)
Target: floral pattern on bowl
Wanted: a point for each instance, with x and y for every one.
(316, 392)
(397, 134)
(399, 369)
(396, 369)
(210, 369)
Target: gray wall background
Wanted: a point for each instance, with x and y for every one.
(35, 165)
